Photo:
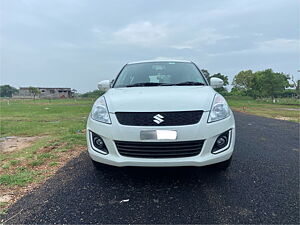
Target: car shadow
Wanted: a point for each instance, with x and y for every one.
(161, 174)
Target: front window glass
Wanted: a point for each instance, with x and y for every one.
(159, 73)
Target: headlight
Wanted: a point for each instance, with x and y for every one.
(100, 111)
(219, 109)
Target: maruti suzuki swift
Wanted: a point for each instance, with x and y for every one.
(161, 114)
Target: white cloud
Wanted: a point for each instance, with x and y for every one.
(169, 58)
(279, 45)
(65, 45)
(257, 34)
(142, 33)
(182, 46)
(97, 30)
(206, 36)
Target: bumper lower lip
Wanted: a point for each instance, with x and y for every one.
(200, 131)
(124, 161)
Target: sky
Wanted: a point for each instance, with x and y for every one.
(77, 43)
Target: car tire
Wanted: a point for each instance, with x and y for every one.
(223, 165)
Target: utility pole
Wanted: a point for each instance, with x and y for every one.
(298, 82)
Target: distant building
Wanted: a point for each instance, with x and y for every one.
(45, 93)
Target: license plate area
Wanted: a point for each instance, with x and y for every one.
(158, 135)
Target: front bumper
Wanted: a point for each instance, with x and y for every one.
(200, 131)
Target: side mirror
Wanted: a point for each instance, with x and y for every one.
(104, 85)
(216, 82)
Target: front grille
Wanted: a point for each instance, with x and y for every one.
(159, 149)
(178, 118)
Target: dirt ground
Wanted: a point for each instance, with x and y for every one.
(13, 143)
(10, 194)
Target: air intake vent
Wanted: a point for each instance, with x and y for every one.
(159, 149)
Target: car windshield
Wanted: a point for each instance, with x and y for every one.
(159, 74)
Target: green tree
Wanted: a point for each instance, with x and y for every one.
(7, 91)
(244, 80)
(35, 91)
(271, 84)
(238, 91)
(264, 83)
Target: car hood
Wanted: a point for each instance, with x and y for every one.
(161, 98)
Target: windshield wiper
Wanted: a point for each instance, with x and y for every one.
(149, 84)
(189, 83)
(145, 84)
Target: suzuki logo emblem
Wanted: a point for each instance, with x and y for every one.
(158, 119)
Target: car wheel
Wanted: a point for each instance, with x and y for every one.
(223, 165)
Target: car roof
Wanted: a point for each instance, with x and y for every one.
(160, 60)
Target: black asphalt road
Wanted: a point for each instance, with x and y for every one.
(261, 186)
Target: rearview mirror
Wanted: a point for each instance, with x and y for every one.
(104, 85)
(216, 82)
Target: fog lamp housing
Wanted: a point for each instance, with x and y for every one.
(222, 142)
(97, 143)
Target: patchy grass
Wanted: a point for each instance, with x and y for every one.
(59, 117)
(46, 155)
(59, 126)
(53, 163)
(14, 162)
(37, 162)
(287, 110)
(18, 178)
(3, 208)
(281, 101)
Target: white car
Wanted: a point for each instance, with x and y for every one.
(161, 114)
